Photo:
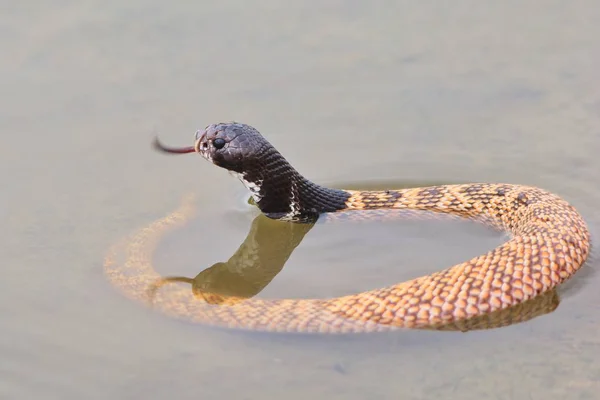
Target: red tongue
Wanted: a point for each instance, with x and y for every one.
(172, 150)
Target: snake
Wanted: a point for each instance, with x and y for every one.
(548, 242)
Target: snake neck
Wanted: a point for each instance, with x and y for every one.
(281, 192)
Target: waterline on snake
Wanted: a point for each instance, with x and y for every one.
(513, 282)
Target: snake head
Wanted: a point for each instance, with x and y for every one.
(233, 146)
(278, 190)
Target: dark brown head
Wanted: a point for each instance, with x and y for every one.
(277, 188)
(233, 146)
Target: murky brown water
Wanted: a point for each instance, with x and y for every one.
(352, 94)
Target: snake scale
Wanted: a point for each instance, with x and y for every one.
(549, 241)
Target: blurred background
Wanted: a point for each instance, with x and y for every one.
(354, 94)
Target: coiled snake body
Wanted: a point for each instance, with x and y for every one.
(549, 243)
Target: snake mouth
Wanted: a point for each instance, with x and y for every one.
(173, 150)
(201, 146)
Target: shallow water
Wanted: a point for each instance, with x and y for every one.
(352, 94)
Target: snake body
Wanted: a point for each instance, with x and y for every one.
(549, 242)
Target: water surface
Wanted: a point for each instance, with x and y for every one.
(352, 94)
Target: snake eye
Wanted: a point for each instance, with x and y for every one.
(219, 143)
